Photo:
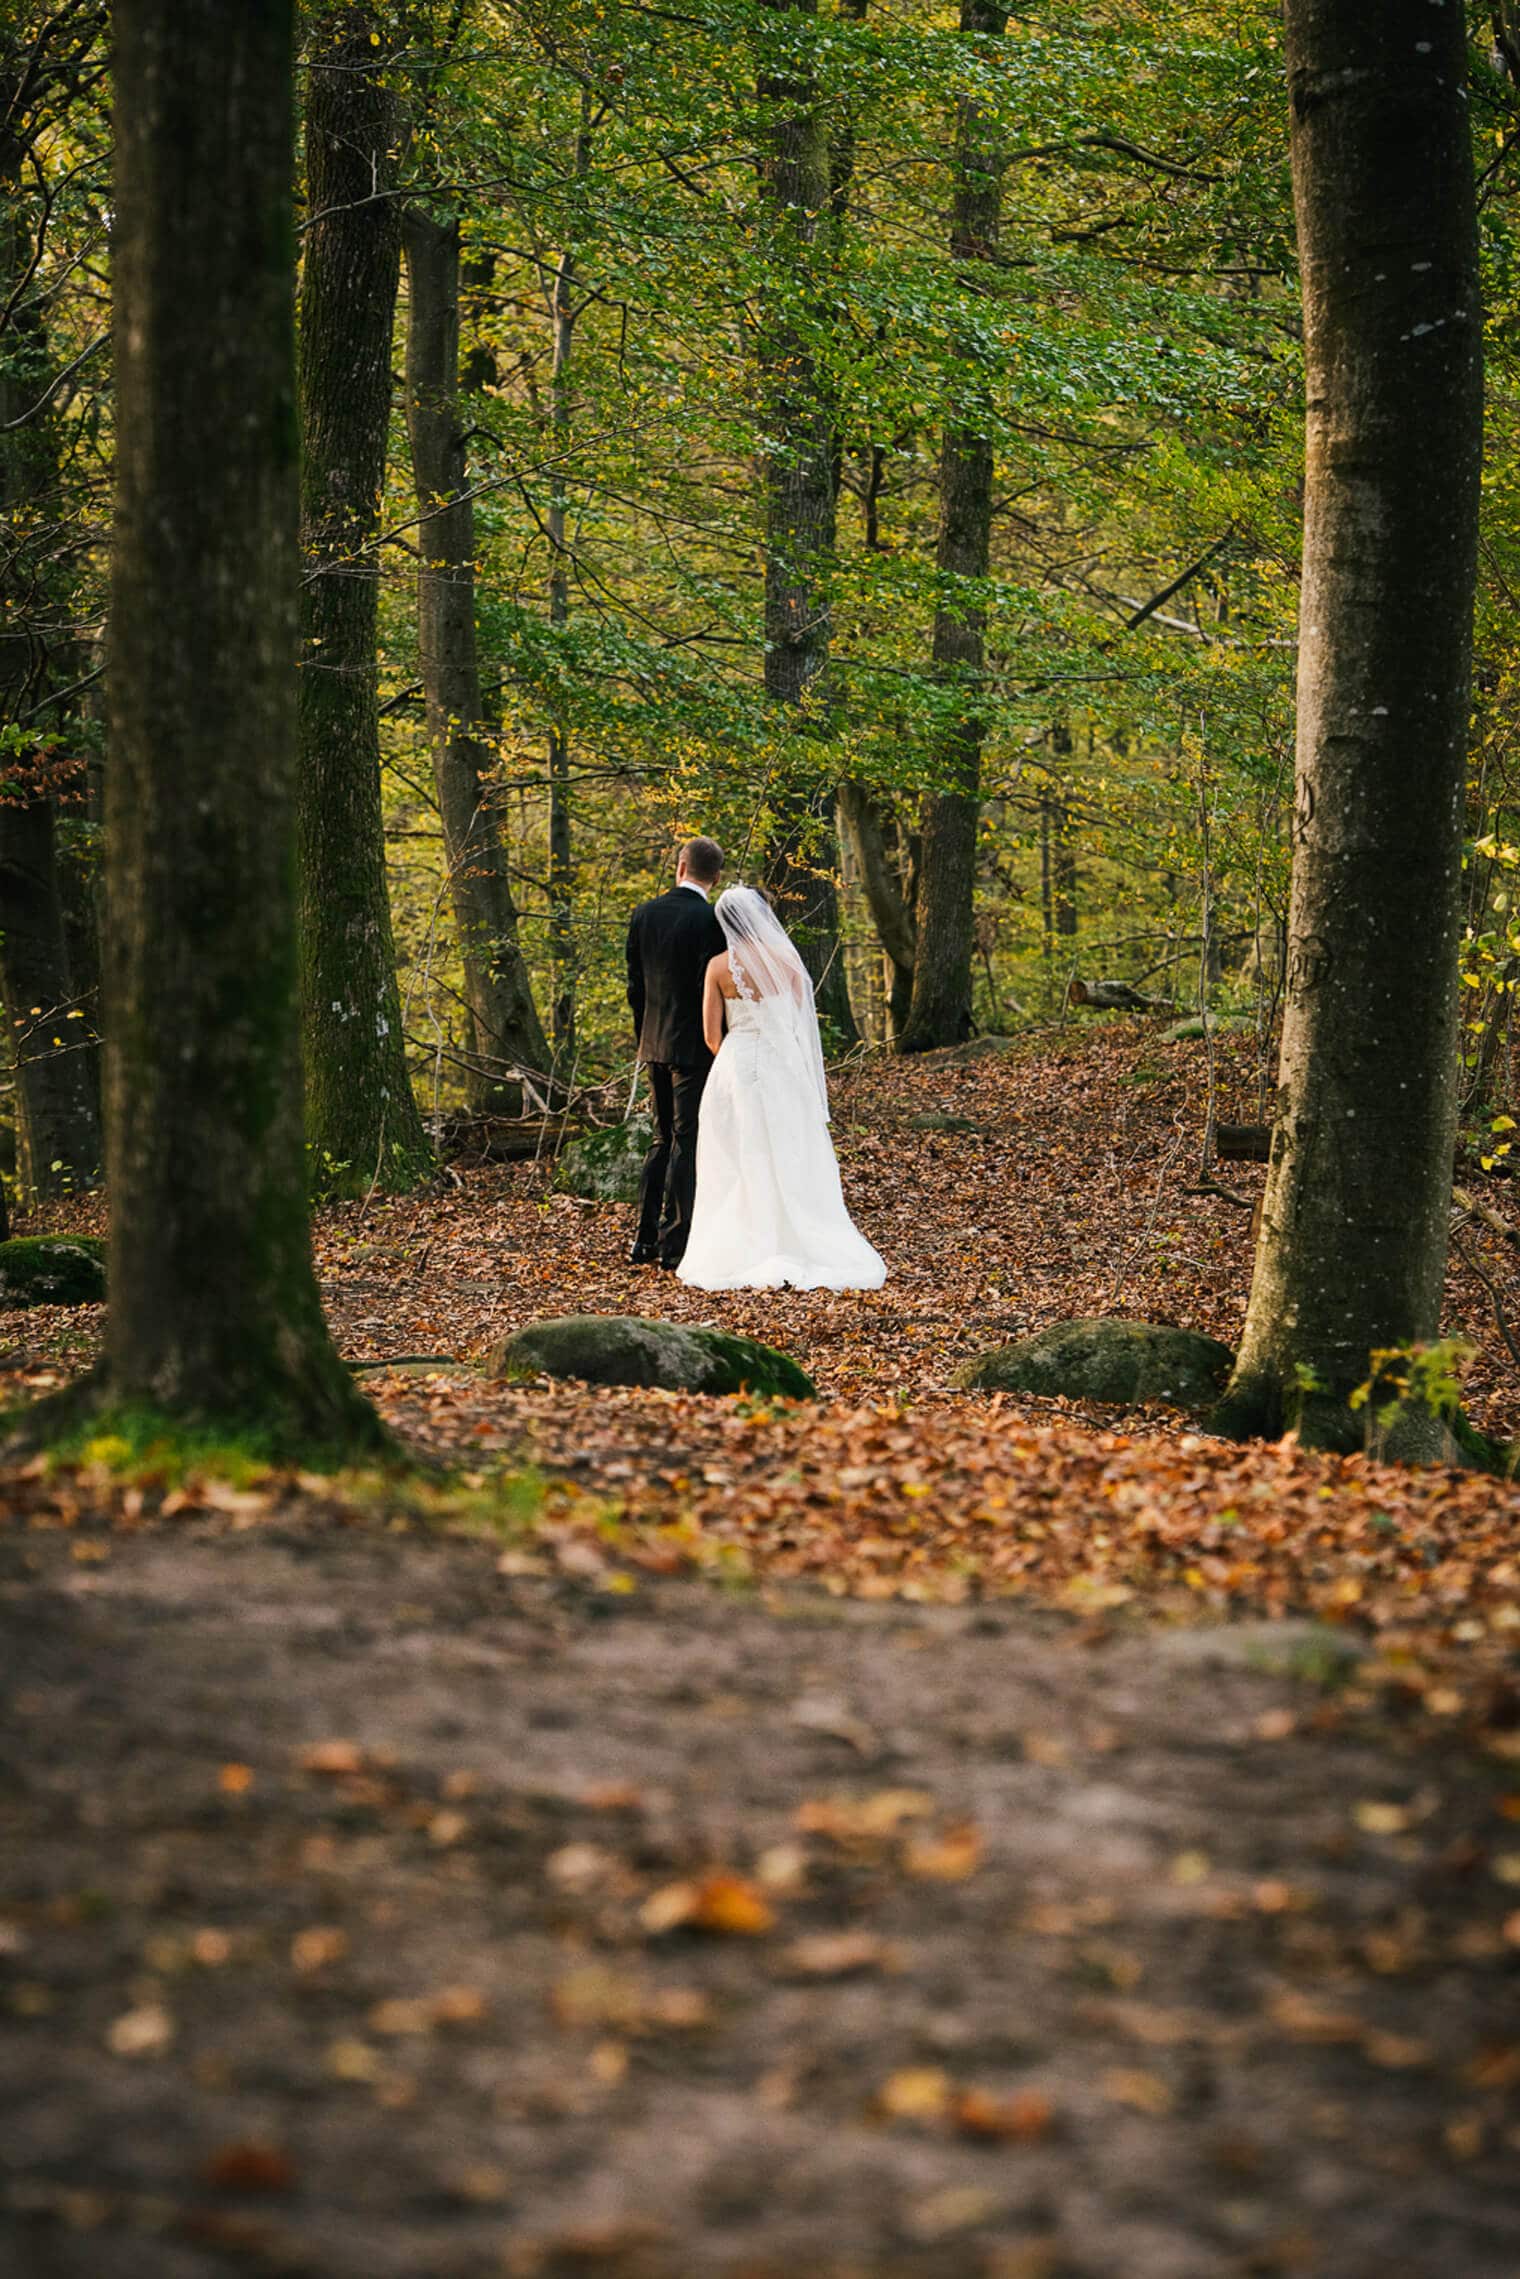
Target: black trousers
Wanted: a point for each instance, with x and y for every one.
(668, 1187)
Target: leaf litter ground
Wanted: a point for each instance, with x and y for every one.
(917, 1834)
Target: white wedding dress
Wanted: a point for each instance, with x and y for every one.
(769, 1208)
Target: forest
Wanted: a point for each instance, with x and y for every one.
(518, 1764)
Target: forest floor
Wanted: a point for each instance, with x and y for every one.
(912, 1836)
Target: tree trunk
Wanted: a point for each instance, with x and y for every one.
(497, 986)
(940, 1013)
(1354, 1228)
(1063, 855)
(214, 1315)
(562, 315)
(51, 1031)
(891, 911)
(799, 469)
(362, 1121)
(58, 1130)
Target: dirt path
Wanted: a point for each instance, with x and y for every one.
(335, 1864)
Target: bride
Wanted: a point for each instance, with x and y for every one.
(769, 1208)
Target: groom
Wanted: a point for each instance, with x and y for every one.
(670, 941)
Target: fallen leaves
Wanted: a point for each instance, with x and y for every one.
(1143, 2092)
(948, 1858)
(248, 2165)
(596, 1997)
(1024, 2117)
(424, 2013)
(317, 1947)
(145, 2032)
(840, 1954)
(730, 1905)
(335, 1759)
(863, 1819)
(926, 2096)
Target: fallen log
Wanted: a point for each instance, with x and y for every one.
(1114, 997)
(1465, 1201)
(480, 1138)
(1242, 1143)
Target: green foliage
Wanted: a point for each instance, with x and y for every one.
(146, 1446)
(1135, 352)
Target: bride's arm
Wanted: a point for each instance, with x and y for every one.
(712, 1004)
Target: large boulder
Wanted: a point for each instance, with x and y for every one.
(52, 1270)
(625, 1349)
(604, 1165)
(1120, 1361)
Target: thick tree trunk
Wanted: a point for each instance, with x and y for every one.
(362, 1121)
(940, 1013)
(214, 1313)
(58, 1123)
(1354, 1229)
(497, 986)
(799, 470)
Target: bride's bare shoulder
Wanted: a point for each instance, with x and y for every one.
(720, 971)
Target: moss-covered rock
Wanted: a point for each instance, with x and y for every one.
(51, 1270)
(1219, 1024)
(1120, 1361)
(604, 1165)
(618, 1349)
(939, 1120)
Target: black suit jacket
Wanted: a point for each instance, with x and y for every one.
(670, 942)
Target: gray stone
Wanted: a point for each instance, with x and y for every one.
(50, 1270)
(1120, 1361)
(604, 1165)
(1309, 1651)
(936, 1120)
(618, 1349)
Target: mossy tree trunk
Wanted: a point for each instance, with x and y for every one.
(50, 1028)
(1352, 1250)
(362, 1120)
(799, 468)
(214, 1314)
(940, 1010)
(498, 989)
(563, 286)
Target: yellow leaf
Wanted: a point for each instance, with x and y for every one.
(853, 1819)
(949, 1858)
(1144, 2092)
(1380, 1819)
(720, 1902)
(917, 2093)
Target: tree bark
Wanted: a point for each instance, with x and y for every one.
(214, 1314)
(940, 1013)
(362, 1121)
(799, 475)
(504, 1022)
(891, 911)
(562, 313)
(1354, 1227)
(51, 1030)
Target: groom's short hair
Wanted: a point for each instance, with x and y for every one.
(703, 859)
